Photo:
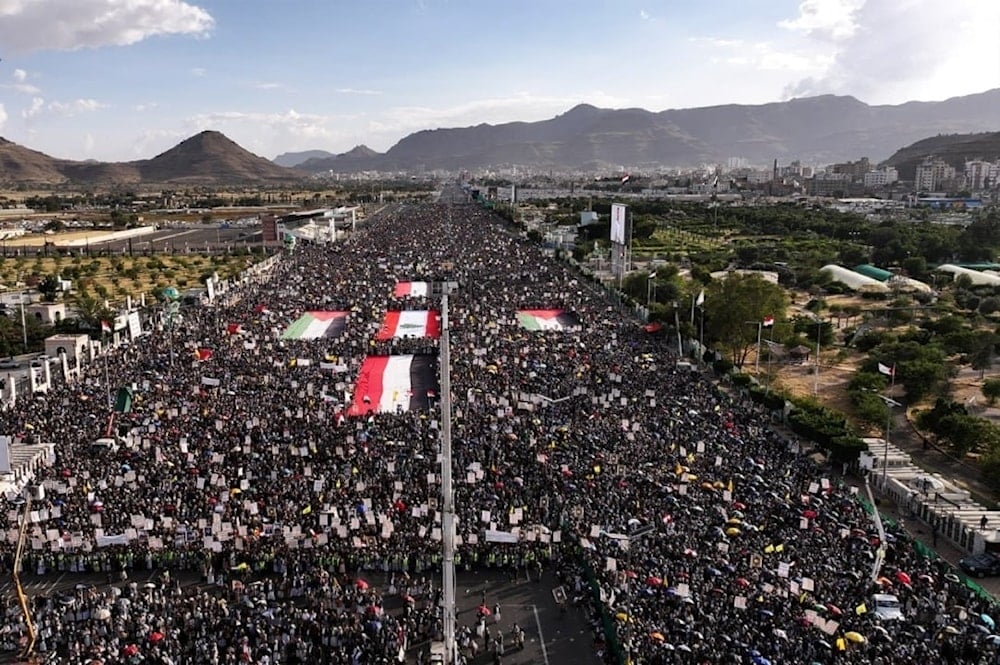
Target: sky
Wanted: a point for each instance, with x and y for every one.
(120, 80)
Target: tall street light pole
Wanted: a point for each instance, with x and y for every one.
(447, 496)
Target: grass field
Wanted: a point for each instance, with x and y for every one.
(117, 277)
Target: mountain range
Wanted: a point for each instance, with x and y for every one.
(206, 158)
(815, 130)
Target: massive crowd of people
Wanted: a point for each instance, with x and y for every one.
(713, 538)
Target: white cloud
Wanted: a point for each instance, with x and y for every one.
(901, 50)
(826, 19)
(37, 106)
(764, 56)
(357, 91)
(20, 83)
(144, 107)
(151, 142)
(290, 123)
(199, 71)
(3, 116)
(66, 25)
(76, 106)
(644, 15)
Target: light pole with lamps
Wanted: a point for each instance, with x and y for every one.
(650, 284)
(890, 403)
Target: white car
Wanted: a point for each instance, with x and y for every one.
(887, 607)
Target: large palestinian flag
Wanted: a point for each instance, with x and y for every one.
(412, 289)
(387, 384)
(315, 325)
(547, 319)
(410, 323)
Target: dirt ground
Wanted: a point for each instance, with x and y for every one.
(35, 240)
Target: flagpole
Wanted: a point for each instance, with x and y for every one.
(693, 296)
(677, 324)
(819, 332)
(24, 326)
(756, 368)
(701, 333)
(770, 341)
(107, 380)
(888, 424)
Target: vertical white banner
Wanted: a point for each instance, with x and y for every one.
(618, 223)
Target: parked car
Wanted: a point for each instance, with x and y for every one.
(887, 607)
(981, 565)
(105, 444)
(9, 363)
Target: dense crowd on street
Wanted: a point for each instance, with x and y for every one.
(713, 538)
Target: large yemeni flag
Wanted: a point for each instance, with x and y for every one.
(387, 384)
(315, 325)
(547, 319)
(412, 289)
(410, 323)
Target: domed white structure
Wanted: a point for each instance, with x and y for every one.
(854, 280)
(978, 278)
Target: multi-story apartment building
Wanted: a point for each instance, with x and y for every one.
(932, 174)
(977, 174)
(881, 177)
(856, 170)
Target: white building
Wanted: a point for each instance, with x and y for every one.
(977, 174)
(882, 177)
(932, 173)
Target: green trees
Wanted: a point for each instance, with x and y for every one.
(991, 390)
(733, 307)
(49, 288)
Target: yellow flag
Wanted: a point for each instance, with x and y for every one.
(861, 609)
(730, 485)
(307, 510)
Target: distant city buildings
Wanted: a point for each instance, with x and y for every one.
(881, 177)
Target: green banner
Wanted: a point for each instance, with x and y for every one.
(123, 401)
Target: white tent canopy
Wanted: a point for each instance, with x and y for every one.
(978, 278)
(853, 280)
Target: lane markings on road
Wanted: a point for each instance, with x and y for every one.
(541, 637)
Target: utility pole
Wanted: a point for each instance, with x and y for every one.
(819, 332)
(447, 496)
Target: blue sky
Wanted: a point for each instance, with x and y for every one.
(127, 79)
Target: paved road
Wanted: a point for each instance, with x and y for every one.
(194, 239)
(551, 636)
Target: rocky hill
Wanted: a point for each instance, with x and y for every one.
(206, 158)
(23, 165)
(211, 157)
(292, 159)
(359, 158)
(956, 149)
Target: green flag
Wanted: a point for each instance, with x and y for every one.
(123, 402)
